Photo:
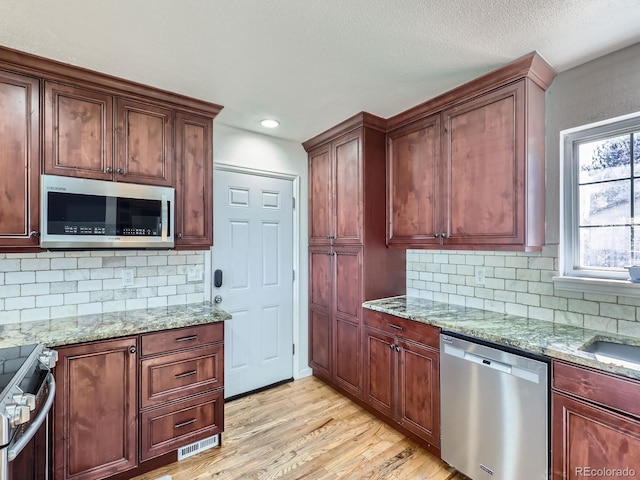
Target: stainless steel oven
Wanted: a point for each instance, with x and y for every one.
(28, 390)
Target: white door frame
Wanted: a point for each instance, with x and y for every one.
(295, 179)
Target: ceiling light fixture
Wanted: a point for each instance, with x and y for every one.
(269, 123)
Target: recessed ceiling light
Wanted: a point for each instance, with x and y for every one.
(269, 123)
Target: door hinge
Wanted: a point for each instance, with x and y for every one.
(294, 203)
(293, 349)
(294, 275)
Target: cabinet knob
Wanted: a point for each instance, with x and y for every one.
(391, 346)
(34, 234)
(132, 350)
(444, 235)
(436, 235)
(397, 348)
(179, 235)
(120, 171)
(109, 170)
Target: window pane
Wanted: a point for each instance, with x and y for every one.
(607, 247)
(636, 153)
(605, 159)
(606, 203)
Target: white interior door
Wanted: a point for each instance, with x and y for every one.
(253, 247)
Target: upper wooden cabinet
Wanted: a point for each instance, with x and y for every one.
(335, 199)
(19, 161)
(194, 186)
(78, 132)
(80, 128)
(144, 147)
(466, 170)
(100, 127)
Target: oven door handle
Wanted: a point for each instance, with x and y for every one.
(17, 447)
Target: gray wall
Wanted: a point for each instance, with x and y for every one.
(598, 90)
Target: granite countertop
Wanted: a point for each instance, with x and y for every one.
(86, 328)
(554, 340)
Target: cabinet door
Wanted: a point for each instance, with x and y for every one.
(78, 129)
(347, 188)
(320, 331)
(586, 439)
(484, 171)
(144, 149)
(321, 219)
(413, 184)
(20, 157)
(95, 420)
(380, 360)
(419, 390)
(194, 188)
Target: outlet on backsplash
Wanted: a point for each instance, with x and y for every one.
(194, 273)
(480, 275)
(127, 277)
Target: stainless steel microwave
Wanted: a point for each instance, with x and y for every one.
(76, 213)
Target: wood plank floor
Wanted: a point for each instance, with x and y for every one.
(305, 429)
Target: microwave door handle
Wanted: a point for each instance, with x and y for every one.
(164, 217)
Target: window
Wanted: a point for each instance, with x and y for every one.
(601, 182)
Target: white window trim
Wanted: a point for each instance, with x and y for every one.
(570, 278)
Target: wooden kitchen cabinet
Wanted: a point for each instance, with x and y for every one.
(79, 136)
(194, 186)
(466, 169)
(595, 423)
(181, 388)
(78, 132)
(96, 410)
(402, 375)
(144, 147)
(348, 259)
(413, 184)
(123, 402)
(20, 147)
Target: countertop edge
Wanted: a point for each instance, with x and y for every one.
(564, 347)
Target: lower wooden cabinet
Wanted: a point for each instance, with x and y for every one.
(595, 424)
(96, 409)
(402, 374)
(166, 428)
(122, 402)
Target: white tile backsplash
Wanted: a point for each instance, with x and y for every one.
(516, 283)
(59, 284)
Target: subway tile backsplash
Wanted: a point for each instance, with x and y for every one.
(516, 283)
(36, 286)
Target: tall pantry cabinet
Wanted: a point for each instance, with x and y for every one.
(349, 262)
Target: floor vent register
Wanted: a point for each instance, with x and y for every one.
(197, 447)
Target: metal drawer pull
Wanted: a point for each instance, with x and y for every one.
(187, 339)
(186, 374)
(394, 326)
(184, 424)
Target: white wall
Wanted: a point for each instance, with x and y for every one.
(241, 148)
(521, 283)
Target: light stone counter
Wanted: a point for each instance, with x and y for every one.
(554, 340)
(87, 328)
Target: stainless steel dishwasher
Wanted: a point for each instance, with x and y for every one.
(494, 411)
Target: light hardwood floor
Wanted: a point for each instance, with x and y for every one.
(305, 429)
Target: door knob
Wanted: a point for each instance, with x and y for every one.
(217, 299)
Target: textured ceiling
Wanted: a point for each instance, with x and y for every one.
(313, 63)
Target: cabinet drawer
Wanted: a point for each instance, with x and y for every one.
(171, 377)
(179, 339)
(418, 332)
(167, 428)
(609, 390)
